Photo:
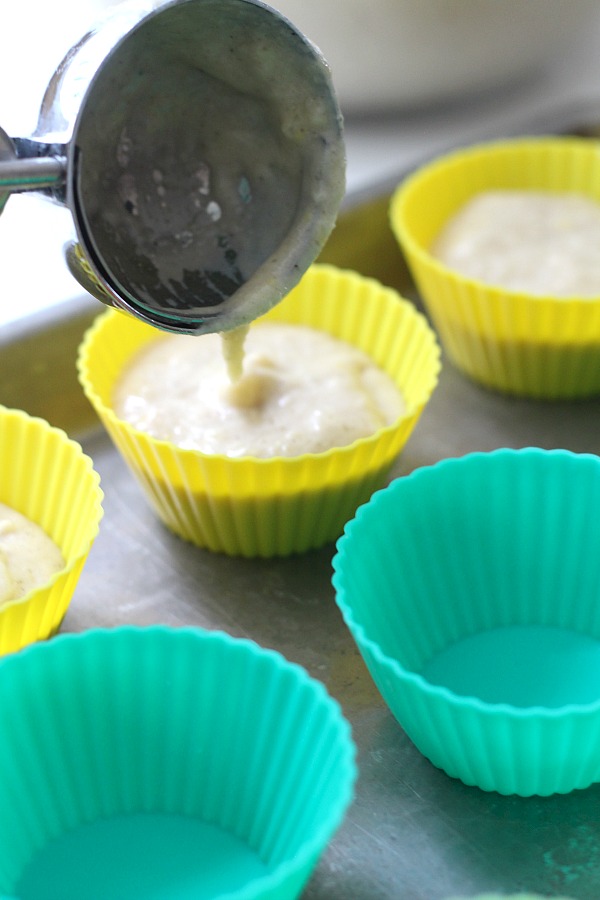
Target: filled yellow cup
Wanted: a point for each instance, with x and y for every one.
(539, 346)
(46, 477)
(281, 505)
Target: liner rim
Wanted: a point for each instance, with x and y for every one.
(402, 226)
(87, 382)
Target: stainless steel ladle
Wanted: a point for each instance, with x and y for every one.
(202, 160)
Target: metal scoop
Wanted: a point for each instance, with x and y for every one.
(202, 160)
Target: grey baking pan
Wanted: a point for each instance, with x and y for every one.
(412, 832)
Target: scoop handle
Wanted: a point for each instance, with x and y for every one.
(18, 175)
(30, 165)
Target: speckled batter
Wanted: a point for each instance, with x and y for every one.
(28, 557)
(300, 391)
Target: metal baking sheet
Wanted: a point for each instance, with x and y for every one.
(412, 832)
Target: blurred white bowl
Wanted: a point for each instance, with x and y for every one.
(411, 53)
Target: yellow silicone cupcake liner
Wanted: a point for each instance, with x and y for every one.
(273, 507)
(46, 477)
(543, 347)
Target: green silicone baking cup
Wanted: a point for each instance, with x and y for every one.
(471, 589)
(157, 762)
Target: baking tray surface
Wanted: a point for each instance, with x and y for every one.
(412, 832)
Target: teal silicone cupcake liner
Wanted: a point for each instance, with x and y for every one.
(165, 762)
(471, 589)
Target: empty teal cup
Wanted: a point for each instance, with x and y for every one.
(472, 589)
(156, 762)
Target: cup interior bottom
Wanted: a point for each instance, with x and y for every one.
(521, 665)
(141, 855)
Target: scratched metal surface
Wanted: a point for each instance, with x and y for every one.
(412, 832)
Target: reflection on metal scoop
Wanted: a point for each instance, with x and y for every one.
(205, 165)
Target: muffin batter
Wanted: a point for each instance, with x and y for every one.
(294, 390)
(538, 242)
(28, 557)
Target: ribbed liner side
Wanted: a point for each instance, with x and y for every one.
(492, 748)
